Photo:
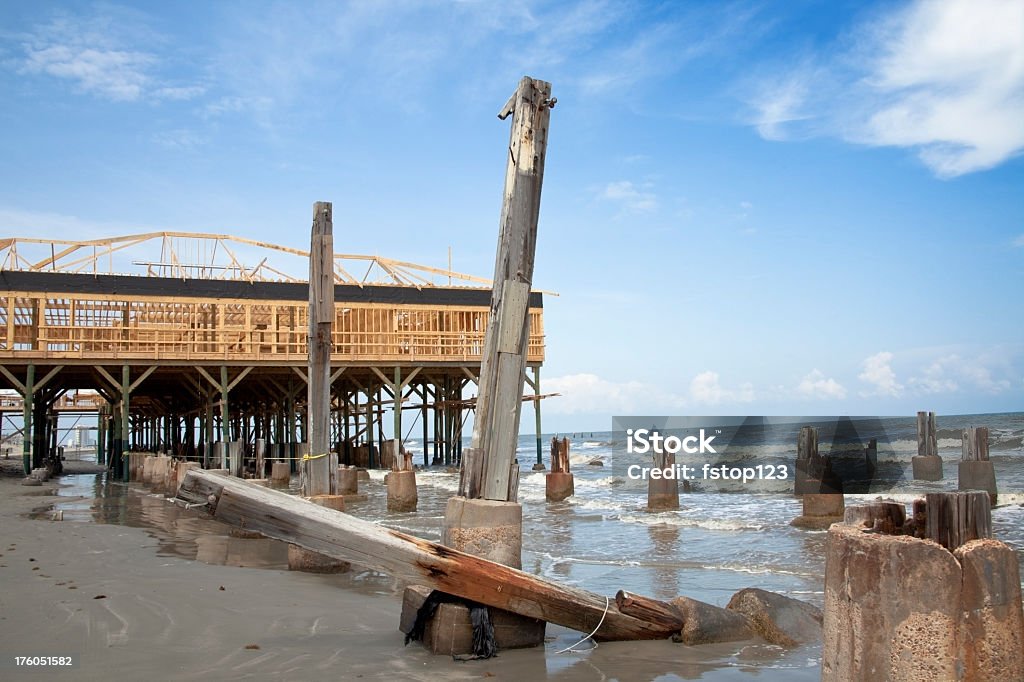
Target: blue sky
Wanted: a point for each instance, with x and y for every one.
(749, 208)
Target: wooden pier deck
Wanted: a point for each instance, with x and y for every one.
(206, 352)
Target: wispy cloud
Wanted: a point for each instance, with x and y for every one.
(879, 375)
(1019, 241)
(100, 54)
(629, 197)
(954, 372)
(942, 77)
(180, 139)
(588, 393)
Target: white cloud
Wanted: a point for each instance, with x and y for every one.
(879, 374)
(942, 77)
(116, 74)
(108, 53)
(1019, 241)
(706, 388)
(816, 385)
(589, 393)
(631, 198)
(781, 102)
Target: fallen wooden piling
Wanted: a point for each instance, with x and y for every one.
(414, 560)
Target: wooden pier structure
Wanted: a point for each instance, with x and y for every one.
(189, 353)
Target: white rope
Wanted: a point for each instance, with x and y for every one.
(607, 604)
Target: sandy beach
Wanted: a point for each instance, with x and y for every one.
(112, 584)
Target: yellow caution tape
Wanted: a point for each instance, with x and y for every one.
(309, 457)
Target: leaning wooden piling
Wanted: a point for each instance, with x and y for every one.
(414, 560)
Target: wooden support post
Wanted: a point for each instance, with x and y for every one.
(317, 471)
(26, 447)
(225, 421)
(291, 441)
(423, 417)
(488, 471)
(397, 389)
(101, 435)
(536, 414)
(122, 461)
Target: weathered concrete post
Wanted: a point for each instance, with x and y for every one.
(822, 504)
(559, 482)
(946, 606)
(927, 465)
(485, 519)
(975, 470)
(280, 474)
(402, 495)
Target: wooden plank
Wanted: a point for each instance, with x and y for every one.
(413, 560)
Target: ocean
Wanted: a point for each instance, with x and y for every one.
(719, 541)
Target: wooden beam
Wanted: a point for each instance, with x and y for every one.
(412, 375)
(135, 384)
(241, 375)
(413, 560)
(49, 375)
(20, 387)
(208, 377)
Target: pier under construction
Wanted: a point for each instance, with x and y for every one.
(184, 343)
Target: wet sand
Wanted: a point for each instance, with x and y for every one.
(117, 583)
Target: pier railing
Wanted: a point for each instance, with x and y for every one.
(38, 326)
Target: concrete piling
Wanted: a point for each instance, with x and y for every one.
(903, 608)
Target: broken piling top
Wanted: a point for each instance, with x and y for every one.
(901, 607)
(490, 469)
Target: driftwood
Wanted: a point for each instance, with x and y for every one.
(417, 561)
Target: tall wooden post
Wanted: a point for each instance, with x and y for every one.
(122, 461)
(397, 388)
(101, 435)
(317, 474)
(488, 467)
(26, 424)
(536, 415)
